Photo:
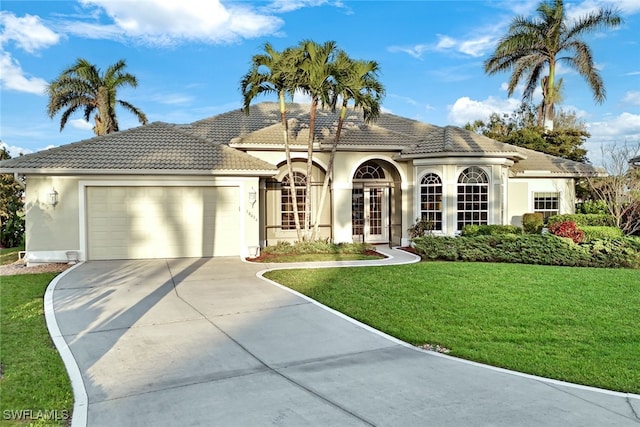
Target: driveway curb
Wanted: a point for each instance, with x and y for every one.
(80, 399)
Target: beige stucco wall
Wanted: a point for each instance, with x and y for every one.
(345, 165)
(51, 230)
(521, 192)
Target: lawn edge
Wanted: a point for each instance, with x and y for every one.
(549, 381)
(80, 399)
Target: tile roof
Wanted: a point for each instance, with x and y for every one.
(205, 144)
(156, 146)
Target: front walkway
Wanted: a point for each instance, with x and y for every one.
(207, 342)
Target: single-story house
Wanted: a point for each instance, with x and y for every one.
(219, 186)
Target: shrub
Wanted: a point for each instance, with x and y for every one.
(316, 247)
(420, 228)
(584, 220)
(546, 249)
(436, 247)
(600, 232)
(567, 229)
(533, 222)
(593, 207)
(490, 230)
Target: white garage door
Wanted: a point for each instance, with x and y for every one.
(162, 222)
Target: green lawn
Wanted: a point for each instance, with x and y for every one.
(9, 255)
(33, 375)
(575, 324)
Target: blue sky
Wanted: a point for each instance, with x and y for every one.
(189, 56)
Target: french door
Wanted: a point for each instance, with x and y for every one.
(370, 217)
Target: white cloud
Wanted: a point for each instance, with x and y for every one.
(291, 5)
(81, 124)
(476, 44)
(168, 22)
(12, 77)
(27, 32)
(632, 97)
(618, 130)
(466, 110)
(14, 150)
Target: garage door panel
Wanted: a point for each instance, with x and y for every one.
(162, 222)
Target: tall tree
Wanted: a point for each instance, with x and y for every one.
(356, 81)
(532, 47)
(82, 86)
(274, 72)
(11, 207)
(317, 80)
(520, 128)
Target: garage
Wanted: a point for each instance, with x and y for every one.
(138, 222)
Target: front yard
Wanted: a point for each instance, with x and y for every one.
(33, 381)
(574, 324)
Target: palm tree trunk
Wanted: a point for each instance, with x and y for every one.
(549, 96)
(329, 175)
(307, 202)
(287, 150)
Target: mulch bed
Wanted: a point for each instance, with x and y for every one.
(19, 267)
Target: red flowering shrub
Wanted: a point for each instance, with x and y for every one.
(567, 229)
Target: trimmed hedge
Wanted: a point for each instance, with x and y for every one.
(316, 247)
(533, 222)
(545, 249)
(584, 220)
(490, 230)
(600, 232)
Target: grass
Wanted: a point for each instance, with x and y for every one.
(9, 255)
(318, 250)
(33, 375)
(573, 324)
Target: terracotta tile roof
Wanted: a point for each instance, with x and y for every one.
(536, 161)
(156, 146)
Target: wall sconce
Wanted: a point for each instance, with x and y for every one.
(52, 197)
(253, 196)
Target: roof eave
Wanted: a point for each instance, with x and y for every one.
(190, 172)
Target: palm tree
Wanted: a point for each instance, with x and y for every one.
(532, 47)
(82, 86)
(275, 72)
(355, 81)
(315, 79)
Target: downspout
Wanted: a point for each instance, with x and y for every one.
(19, 179)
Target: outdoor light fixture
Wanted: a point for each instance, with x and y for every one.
(253, 196)
(53, 197)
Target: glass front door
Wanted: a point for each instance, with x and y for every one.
(369, 214)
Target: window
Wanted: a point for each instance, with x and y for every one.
(473, 197)
(287, 216)
(431, 200)
(546, 204)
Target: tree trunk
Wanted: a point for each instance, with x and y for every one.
(307, 201)
(329, 175)
(287, 150)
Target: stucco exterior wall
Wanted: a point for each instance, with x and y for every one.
(51, 230)
(521, 193)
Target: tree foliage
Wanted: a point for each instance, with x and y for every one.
(328, 76)
(620, 190)
(520, 128)
(533, 48)
(11, 208)
(82, 87)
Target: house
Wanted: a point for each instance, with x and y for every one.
(219, 186)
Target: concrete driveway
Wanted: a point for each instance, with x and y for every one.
(206, 342)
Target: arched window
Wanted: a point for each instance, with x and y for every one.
(286, 201)
(369, 170)
(431, 200)
(473, 197)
